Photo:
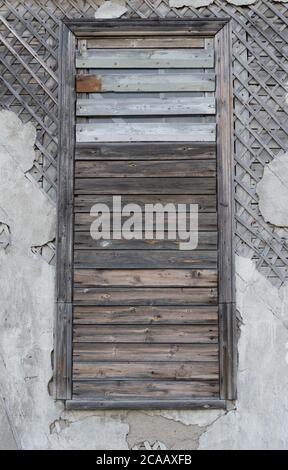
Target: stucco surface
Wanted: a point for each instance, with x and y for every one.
(31, 419)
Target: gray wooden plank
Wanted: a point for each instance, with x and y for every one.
(145, 42)
(145, 278)
(141, 58)
(145, 370)
(145, 132)
(150, 404)
(145, 106)
(83, 240)
(145, 83)
(87, 315)
(145, 351)
(83, 203)
(145, 186)
(147, 151)
(128, 389)
(126, 259)
(145, 334)
(151, 168)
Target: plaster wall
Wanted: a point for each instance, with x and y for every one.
(31, 419)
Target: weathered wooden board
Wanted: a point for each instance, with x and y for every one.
(127, 259)
(206, 221)
(145, 186)
(141, 58)
(112, 390)
(145, 132)
(145, 352)
(83, 203)
(146, 370)
(145, 83)
(168, 42)
(83, 240)
(145, 106)
(147, 151)
(84, 315)
(145, 278)
(151, 168)
(146, 334)
(145, 296)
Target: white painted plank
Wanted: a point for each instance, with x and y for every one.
(150, 82)
(145, 106)
(145, 132)
(143, 58)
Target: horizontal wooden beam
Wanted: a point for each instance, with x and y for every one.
(147, 42)
(145, 106)
(145, 404)
(141, 58)
(145, 132)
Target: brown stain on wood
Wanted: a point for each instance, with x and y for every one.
(88, 83)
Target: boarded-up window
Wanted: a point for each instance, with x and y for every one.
(145, 320)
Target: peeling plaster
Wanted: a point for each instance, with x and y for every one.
(241, 2)
(273, 192)
(4, 236)
(111, 9)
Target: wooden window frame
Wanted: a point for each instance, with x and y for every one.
(71, 30)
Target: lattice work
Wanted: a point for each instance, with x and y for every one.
(29, 64)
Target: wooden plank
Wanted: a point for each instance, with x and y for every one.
(145, 106)
(137, 82)
(141, 58)
(145, 186)
(206, 221)
(145, 42)
(145, 334)
(83, 203)
(64, 243)
(131, 27)
(140, 169)
(146, 370)
(146, 352)
(138, 404)
(145, 278)
(153, 132)
(124, 259)
(144, 315)
(128, 389)
(147, 151)
(145, 296)
(228, 342)
(83, 240)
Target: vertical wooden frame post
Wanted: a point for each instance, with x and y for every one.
(64, 287)
(225, 196)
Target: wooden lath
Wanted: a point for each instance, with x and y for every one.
(260, 70)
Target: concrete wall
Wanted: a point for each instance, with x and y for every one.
(31, 419)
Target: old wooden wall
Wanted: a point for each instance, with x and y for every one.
(29, 86)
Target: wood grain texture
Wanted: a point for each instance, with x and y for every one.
(206, 220)
(87, 315)
(83, 240)
(144, 169)
(127, 259)
(145, 132)
(145, 186)
(145, 106)
(64, 242)
(137, 82)
(83, 203)
(147, 151)
(145, 278)
(128, 389)
(145, 334)
(151, 42)
(146, 352)
(141, 58)
(150, 404)
(146, 370)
